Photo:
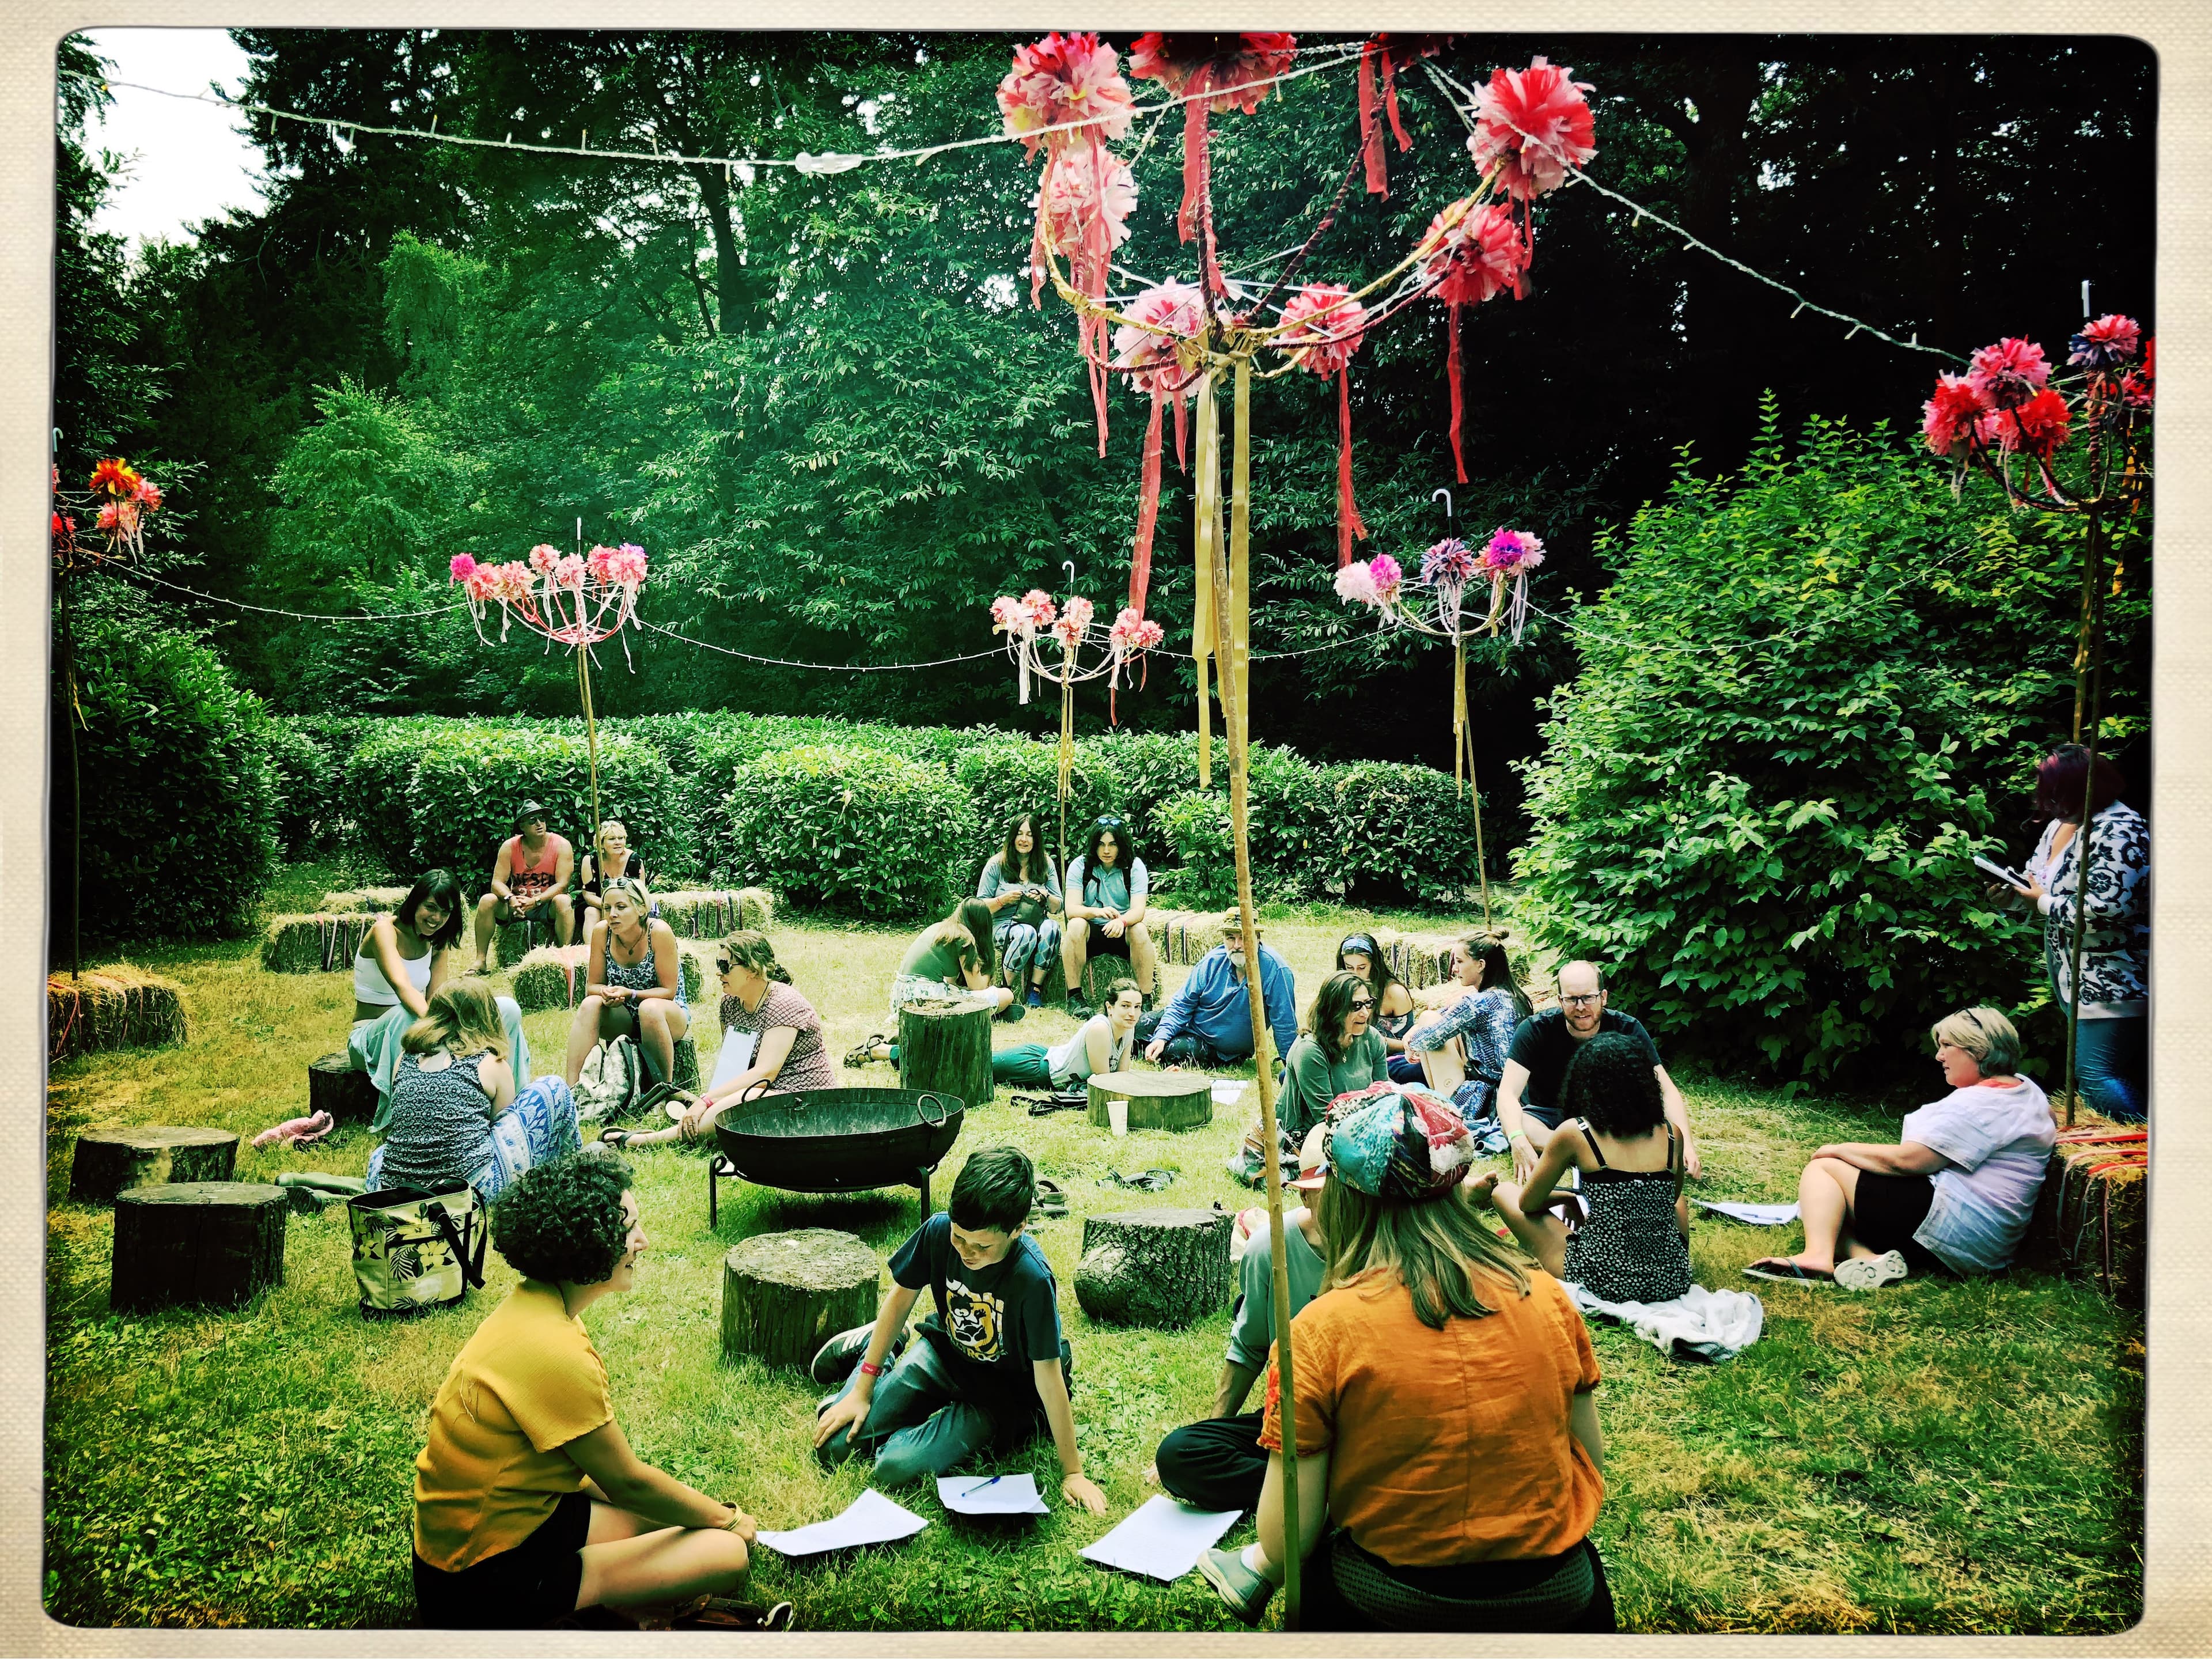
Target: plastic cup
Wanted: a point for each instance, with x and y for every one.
(1117, 1116)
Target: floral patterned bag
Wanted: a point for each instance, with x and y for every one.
(415, 1247)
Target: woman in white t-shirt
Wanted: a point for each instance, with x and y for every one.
(1953, 1196)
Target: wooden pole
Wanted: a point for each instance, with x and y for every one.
(591, 732)
(2093, 682)
(1227, 651)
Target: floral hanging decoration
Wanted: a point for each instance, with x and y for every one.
(1321, 327)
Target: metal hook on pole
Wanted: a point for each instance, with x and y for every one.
(1068, 565)
(1446, 493)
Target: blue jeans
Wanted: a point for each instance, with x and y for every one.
(2111, 1063)
(916, 1424)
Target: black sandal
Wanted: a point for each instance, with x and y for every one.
(617, 1138)
(1051, 1201)
(865, 1053)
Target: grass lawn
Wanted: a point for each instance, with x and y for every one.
(1933, 1458)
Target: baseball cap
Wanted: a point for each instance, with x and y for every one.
(1313, 1160)
(1401, 1148)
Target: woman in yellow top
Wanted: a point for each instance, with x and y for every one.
(529, 1504)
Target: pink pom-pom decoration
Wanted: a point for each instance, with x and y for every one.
(1089, 188)
(1472, 252)
(1531, 125)
(1355, 585)
(1509, 552)
(1041, 609)
(1132, 632)
(1387, 575)
(1322, 326)
(2106, 344)
(1229, 66)
(1078, 611)
(461, 567)
(1450, 563)
(148, 495)
(1007, 614)
(1150, 357)
(543, 557)
(1948, 418)
(2041, 426)
(2008, 373)
(1062, 79)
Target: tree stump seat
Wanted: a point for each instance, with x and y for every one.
(1157, 1100)
(685, 1074)
(785, 1294)
(109, 1161)
(336, 1087)
(211, 1243)
(1162, 1266)
(944, 1049)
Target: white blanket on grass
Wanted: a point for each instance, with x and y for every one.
(1698, 1324)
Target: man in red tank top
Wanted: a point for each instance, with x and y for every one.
(532, 871)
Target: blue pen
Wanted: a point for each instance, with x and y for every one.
(980, 1485)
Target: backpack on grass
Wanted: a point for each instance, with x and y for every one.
(613, 1078)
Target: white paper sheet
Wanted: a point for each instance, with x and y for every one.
(736, 1056)
(1228, 1093)
(872, 1519)
(1163, 1540)
(984, 1494)
(1755, 1215)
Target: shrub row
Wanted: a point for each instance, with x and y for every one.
(874, 820)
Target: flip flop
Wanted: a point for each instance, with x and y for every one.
(617, 1138)
(1872, 1272)
(1782, 1271)
(1051, 1201)
(865, 1052)
(724, 1612)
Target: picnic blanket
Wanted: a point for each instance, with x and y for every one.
(1699, 1324)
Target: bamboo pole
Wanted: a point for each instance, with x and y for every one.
(2090, 681)
(591, 732)
(1233, 721)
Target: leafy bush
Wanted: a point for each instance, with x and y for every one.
(173, 762)
(859, 831)
(1154, 768)
(304, 776)
(1018, 774)
(1401, 835)
(1196, 825)
(1758, 800)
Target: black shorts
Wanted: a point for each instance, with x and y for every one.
(1098, 944)
(525, 1588)
(1888, 1210)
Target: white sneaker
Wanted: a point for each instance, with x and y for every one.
(1870, 1273)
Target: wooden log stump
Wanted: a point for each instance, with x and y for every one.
(334, 1086)
(1157, 1100)
(687, 1064)
(196, 1243)
(944, 1047)
(1160, 1266)
(785, 1294)
(115, 1160)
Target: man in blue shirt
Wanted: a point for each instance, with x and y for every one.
(1208, 1023)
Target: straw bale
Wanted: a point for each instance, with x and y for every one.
(116, 1006)
(551, 976)
(324, 942)
(352, 900)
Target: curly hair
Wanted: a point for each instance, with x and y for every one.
(1610, 1084)
(563, 1221)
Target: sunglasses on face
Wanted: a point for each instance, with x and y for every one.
(1357, 1003)
(722, 965)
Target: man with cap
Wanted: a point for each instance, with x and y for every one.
(1218, 1464)
(1208, 1022)
(532, 870)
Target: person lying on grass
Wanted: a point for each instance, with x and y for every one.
(766, 1011)
(1633, 1245)
(634, 980)
(1448, 1449)
(1102, 1044)
(529, 1502)
(456, 1112)
(1954, 1196)
(992, 1367)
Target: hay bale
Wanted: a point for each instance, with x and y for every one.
(376, 900)
(715, 913)
(118, 1006)
(518, 937)
(324, 942)
(551, 976)
(1420, 959)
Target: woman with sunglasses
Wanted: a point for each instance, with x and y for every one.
(1339, 1053)
(1394, 1002)
(781, 1025)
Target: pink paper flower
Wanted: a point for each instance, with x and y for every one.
(1063, 78)
(2041, 426)
(1448, 563)
(1069, 632)
(509, 583)
(1133, 632)
(462, 568)
(1946, 418)
(1039, 604)
(2008, 373)
(2106, 344)
(1007, 614)
(1228, 66)
(1322, 326)
(1532, 124)
(148, 495)
(1355, 585)
(1089, 187)
(569, 571)
(543, 557)
(1079, 611)
(1387, 575)
(110, 516)
(1150, 358)
(1509, 552)
(1472, 253)
(627, 564)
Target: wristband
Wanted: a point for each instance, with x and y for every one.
(736, 1516)
(1518, 1135)
(867, 1369)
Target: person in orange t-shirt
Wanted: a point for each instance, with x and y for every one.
(1448, 1446)
(529, 1503)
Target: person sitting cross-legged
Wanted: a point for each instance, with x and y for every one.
(1459, 1042)
(1022, 889)
(1218, 1463)
(531, 872)
(1394, 1009)
(1341, 1054)
(1536, 1065)
(991, 1368)
(1208, 1022)
(530, 1504)
(1953, 1196)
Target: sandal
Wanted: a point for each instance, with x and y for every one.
(1782, 1271)
(1151, 1180)
(724, 1612)
(1051, 1201)
(865, 1053)
(617, 1138)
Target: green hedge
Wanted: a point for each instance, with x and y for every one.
(302, 774)
(1402, 835)
(859, 832)
(180, 833)
(1012, 777)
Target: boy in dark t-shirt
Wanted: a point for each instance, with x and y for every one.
(991, 1363)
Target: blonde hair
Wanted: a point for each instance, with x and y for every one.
(605, 825)
(462, 1020)
(1437, 1250)
(1986, 1035)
